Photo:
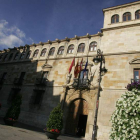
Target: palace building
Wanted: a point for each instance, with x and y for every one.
(41, 74)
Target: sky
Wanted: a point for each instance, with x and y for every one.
(33, 21)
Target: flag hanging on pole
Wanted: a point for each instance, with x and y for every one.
(80, 66)
(76, 69)
(72, 64)
(86, 65)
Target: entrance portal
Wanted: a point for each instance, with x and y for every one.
(77, 118)
(81, 125)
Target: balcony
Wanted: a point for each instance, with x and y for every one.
(81, 83)
(1, 81)
(18, 81)
(41, 81)
(135, 80)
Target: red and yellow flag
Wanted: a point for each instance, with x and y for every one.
(76, 69)
(80, 66)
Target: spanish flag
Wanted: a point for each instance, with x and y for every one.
(76, 69)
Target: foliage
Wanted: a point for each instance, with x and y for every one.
(135, 84)
(55, 121)
(14, 110)
(126, 118)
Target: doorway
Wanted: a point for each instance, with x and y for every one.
(77, 118)
(81, 125)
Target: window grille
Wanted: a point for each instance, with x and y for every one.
(36, 53)
(127, 16)
(93, 46)
(70, 49)
(81, 47)
(51, 52)
(61, 50)
(43, 52)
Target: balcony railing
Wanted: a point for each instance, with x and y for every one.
(81, 83)
(41, 81)
(1, 81)
(18, 81)
(135, 80)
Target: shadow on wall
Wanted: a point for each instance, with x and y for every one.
(20, 75)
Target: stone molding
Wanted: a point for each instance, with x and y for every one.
(120, 27)
(121, 6)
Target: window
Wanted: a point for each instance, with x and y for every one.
(83, 74)
(19, 81)
(45, 74)
(137, 14)
(93, 46)
(16, 56)
(83, 78)
(51, 52)
(12, 95)
(28, 54)
(115, 19)
(10, 57)
(81, 47)
(70, 49)
(127, 16)
(136, 74)
(1, 57)
(38, 97)
(22, 75)
(36, 53)
(22, 55)
(61, 50)
(3, 77)
(43, 52)
(5, 57)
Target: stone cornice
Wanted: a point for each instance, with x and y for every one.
(120, 27)
(70, 57)
(55, 41)
(121, 6)
(69, 39)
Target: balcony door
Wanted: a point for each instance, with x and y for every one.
(83, 77)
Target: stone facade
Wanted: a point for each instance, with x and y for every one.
(120, 45)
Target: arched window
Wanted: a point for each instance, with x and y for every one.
(51, 52)
(1, 57)
(16, 56)
(28, 54)
(70, 49)
(22, 55)
(93, 46)
(36, 53)
(5, 57)
(10, 57)
(137, 14)
(115, 19)
(127, 16)
(81, 47)
(61, 50)
(43, 52)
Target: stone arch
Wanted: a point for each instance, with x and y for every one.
(83, 96)
(77, 117)
(90, 115)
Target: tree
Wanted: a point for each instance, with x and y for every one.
(55, 119)
(126, 118)
(14, 110)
